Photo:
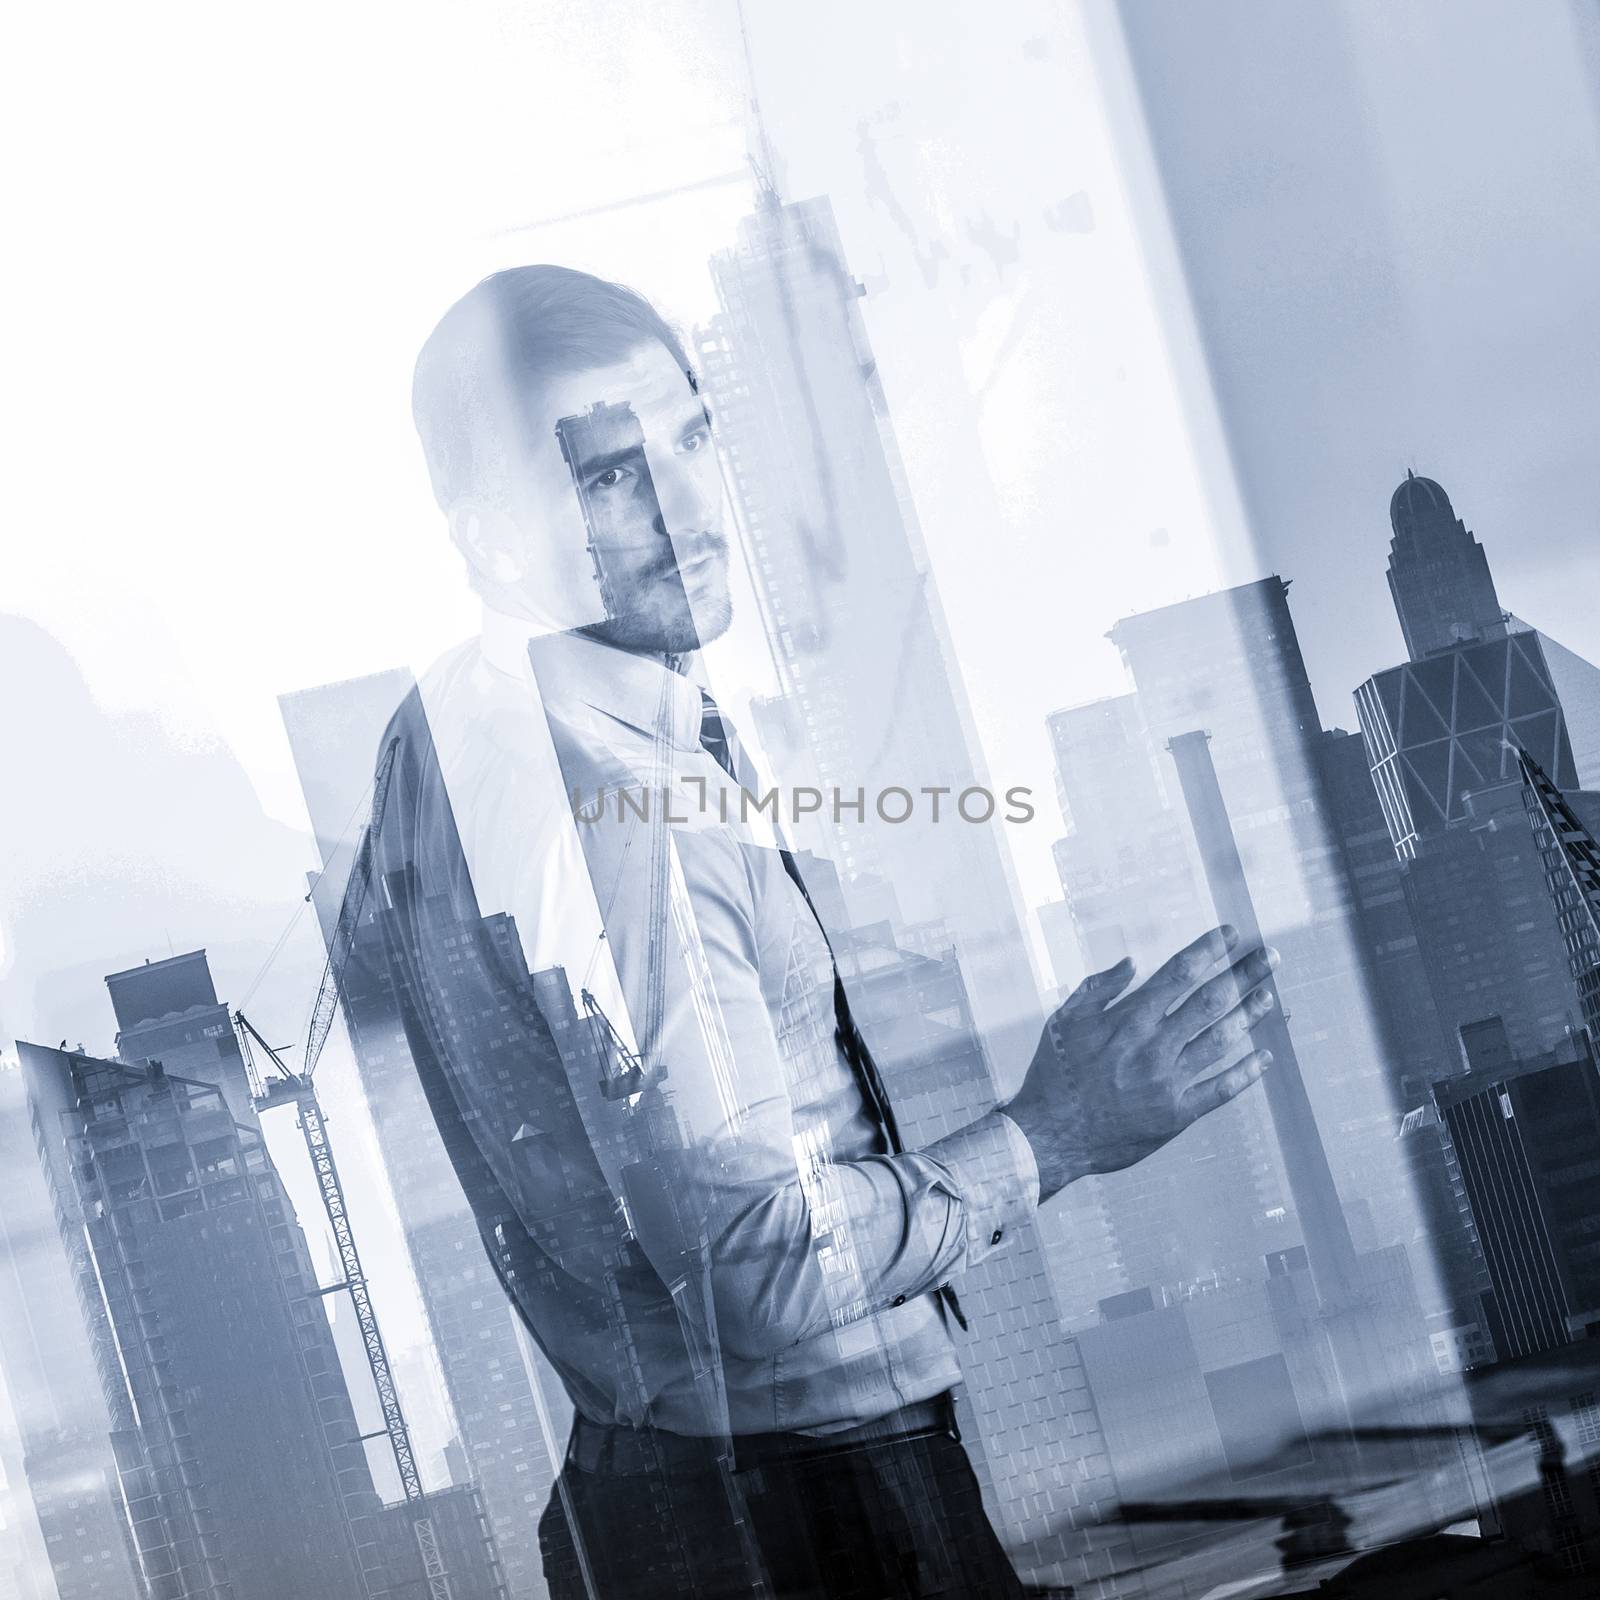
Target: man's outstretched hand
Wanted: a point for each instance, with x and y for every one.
(1118, 1073)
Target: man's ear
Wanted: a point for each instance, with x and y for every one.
(489, 543)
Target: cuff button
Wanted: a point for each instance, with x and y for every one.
(994, 1238)
(899, 1300)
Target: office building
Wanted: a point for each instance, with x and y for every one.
(1524, 1140)
(1124, 861)
(871, 700)
(499, 1418)
(51, 1325)
(1443, 733)
(875, 700)
(1026, 1410)
(1231, 1392)
(239, 1459)
(1212, 1206)
(1415, 1040)
(1438, 573)
(1229, 664)
(1445, 728)
(1489, 935)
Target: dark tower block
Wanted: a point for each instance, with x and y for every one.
(1438, 573)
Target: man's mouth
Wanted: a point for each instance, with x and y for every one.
(701, 564)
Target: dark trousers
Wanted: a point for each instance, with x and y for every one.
(891, 1519)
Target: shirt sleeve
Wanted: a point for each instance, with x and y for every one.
(725, 1169)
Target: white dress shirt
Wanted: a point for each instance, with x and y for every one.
(785, 1263)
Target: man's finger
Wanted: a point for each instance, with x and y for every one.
(1224, 1036)
(1222, 994)
(1177, 976)
(1099, 989)
(1210, 1093)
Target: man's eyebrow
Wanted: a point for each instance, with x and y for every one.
(630, 454)
(607, 459)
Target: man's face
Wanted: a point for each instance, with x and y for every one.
(644, 477)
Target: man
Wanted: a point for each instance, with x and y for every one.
(681, 1154)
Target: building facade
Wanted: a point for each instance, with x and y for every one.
(52, 1323)
(1524, 1139)
(240, 1463)
(499, 1418)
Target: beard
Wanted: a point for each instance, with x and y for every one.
(665, 622)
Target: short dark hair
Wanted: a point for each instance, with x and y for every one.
(509, 331)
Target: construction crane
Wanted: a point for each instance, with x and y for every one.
(281, 1085)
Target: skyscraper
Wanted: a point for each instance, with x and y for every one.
(1229, 664)
(1443, 732)
(1438, 574)
(238, 1454)
(334, 735)
(1366, 1309)
(1445, 728)
(850, 604)
(1032, 1416)
(1212, 1205)
(1415, 1040)
(1130, 888)
(51, 1325)
(1524, 1139)
(1416, 1047)
(871, 701)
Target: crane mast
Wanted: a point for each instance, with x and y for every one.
(286, 1087)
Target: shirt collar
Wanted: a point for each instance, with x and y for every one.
(576, 676)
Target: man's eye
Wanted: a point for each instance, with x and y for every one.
(697, 440)
(608, 479)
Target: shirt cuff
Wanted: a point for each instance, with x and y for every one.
(998, 1178)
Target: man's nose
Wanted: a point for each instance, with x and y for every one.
(688, 495)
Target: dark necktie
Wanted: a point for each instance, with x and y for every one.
(717, 740)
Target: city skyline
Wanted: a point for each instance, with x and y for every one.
(1165, 711)
(202, 1312)
(1047, 352)
(1075, 430)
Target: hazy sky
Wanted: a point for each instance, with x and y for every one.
(1388, 216)
(239, 242)
(242, 242)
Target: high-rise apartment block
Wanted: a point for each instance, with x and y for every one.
(168, 1011)
(241, 1470)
